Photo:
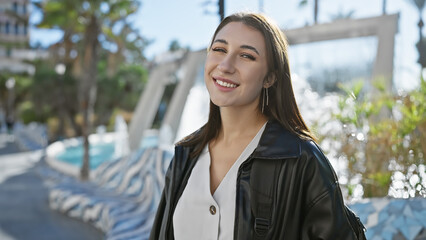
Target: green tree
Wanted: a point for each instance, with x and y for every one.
(120, 91)
(10, 98)
(88, 27)
(175, 46)
(59, 101)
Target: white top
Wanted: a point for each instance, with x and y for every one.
(198, 214)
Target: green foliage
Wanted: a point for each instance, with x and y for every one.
(360, 109)
(120, 91)
(23, 84)
(377, 184)
(28, 113)
(49, 95)
(382, 137)
(96, 33)
(175, 46)
(343, 15)
(303, 3)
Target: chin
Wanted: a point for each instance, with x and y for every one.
(219, 104)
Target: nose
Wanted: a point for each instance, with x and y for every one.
(227, 64)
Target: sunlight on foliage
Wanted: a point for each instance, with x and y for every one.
(383, 139)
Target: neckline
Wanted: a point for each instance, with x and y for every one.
(251, 147)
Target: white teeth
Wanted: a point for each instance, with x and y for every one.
(225, 84)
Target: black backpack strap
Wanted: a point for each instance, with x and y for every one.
(356, 224)
(263, 182)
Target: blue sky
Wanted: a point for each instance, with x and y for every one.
(187, 21)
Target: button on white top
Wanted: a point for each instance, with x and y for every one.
(212, 210)
(198, 214)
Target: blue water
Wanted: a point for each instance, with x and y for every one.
(99, 153)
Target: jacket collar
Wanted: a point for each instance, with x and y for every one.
(277, 142)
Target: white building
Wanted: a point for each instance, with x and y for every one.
(14, 37)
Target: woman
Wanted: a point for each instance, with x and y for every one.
(254, 170)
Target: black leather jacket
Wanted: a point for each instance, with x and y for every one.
(286, 189)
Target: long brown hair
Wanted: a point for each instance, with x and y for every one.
(282, 105)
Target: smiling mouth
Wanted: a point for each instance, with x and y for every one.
(225, 84)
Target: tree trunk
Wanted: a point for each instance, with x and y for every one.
(316, 12)
(88, 89)
(74, 125)
(104, 117)
(384, 7)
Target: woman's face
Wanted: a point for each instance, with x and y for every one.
(236, 66)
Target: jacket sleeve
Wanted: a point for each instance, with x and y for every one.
(326, 216)
(327, 219)
(160, 217)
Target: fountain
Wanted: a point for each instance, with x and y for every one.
(121, 143)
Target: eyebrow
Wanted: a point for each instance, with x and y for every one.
(242, 46)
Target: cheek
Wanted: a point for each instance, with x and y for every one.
(257, 89)
(206, 70)
(208, 64)
(206, 75)
(257, 77)
(257, 85)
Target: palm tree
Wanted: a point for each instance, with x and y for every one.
(316, 7)
(57, 15)
(421, 45)
(420, 4)
(84, 23)
(384, 7)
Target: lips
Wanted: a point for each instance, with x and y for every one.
(226, 83)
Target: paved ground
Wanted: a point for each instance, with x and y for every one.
(24, 210)
(7, 144)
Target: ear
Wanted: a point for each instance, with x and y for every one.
(269, 80)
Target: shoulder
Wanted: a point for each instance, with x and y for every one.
(312, 149)
(318, 174)
(290, 142)
(279, 143)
